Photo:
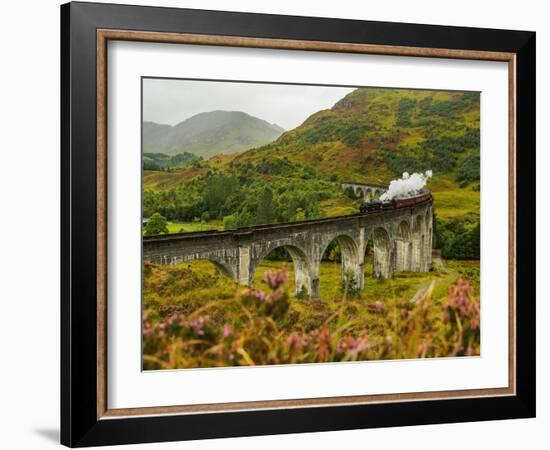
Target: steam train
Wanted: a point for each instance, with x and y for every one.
(396, 203)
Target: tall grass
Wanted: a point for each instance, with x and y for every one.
(259, 326)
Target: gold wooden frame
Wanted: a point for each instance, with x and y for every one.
(103, 36)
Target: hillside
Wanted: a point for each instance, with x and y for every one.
(210, 133)
(162, 161)
(373, 135)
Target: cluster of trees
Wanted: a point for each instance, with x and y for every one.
(469, 169)
(164, 162)
(337, 128)
(430, 111)
(448, 109)
(458, 238)
(406, 106)
(241, 200)
(443, 154)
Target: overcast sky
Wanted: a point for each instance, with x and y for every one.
(172, 101)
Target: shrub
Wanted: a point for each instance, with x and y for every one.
(156, 225)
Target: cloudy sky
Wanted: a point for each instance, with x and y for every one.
(172, 101)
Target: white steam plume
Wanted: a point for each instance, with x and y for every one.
(406, 186)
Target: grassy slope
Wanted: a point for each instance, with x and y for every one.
(158, 180)
(372, 109)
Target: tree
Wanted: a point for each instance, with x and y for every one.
(217, 189)
(157, 225)
(266, 208)
(229, 222)
(469, 169)
(300, 215)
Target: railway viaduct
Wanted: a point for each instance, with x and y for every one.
(401, 238)
(368, 192)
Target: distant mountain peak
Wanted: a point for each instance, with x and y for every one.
(210, 133)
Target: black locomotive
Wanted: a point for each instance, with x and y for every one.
(377, 205)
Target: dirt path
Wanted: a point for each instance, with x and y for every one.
(437, 261)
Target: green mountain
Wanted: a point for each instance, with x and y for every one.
(375, 134)
(210, 133)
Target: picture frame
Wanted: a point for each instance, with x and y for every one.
(86, 418)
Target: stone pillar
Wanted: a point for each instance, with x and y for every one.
(244, 274)
(404, 256)
(400, 255)
(428, 256)
(314, 282)
(302, 279)
(428, 243)
(417, 252)
(383, 263)
(353, 276)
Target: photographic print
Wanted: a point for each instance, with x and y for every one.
(291, 223)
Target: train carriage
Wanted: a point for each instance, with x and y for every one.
(370, 207)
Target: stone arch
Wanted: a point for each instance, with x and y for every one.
(382, 251)
(300, 261)
(403, 247)
(352, 276)
(221, 266)
(368, 195)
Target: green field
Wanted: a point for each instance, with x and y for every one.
(186, 227)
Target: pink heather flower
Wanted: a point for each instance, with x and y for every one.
(275, 279)
(227, 331)
(260, 295)
(197, 324)
(295, 341)
(389, 340)
(378, 306)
